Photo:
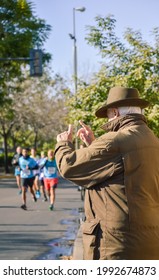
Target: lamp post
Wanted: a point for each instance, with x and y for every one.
(73, 37)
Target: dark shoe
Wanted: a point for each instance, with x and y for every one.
(35, 199)
(45, 198)
(51, 207)
(24, 207)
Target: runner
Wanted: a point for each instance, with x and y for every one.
(41, 176)
(50, 177)
(36, 173)
(27, 165)
(15, 163)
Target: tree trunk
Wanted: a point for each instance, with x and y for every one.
(35, 139)
(6, 167)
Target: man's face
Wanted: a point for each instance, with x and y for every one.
(24, 152)
(50, 154)
(33, 152)
(112, 113)
(42, 154)
(19, 150)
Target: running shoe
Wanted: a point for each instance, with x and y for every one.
(35, 199)
(45, 199)
(51, 207)
(24, 207)
(38, 194)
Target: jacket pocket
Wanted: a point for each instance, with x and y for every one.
(91, 239)
(88, 227)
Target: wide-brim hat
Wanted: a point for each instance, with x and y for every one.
(121, 97)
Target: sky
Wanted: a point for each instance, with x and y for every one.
(142, 15)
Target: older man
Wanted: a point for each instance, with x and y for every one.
(120, 171)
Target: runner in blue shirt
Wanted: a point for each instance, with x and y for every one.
(27, 165)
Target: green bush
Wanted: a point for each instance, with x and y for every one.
(10, 156)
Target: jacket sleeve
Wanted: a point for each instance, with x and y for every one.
(88, 166)
(15, 161)
(35, 167)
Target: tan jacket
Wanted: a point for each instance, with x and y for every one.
(121, 173)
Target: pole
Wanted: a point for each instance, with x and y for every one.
(75, 68)
(75, 51)
(73, 36)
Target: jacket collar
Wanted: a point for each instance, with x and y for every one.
(123, 121)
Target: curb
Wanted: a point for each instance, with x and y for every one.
(7, 176)
(78, 246)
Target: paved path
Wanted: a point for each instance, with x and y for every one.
(25, 234)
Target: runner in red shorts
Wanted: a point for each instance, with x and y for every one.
(50, 177)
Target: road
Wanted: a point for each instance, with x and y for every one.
(38, 233)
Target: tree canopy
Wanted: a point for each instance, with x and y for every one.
(20, 31)
(129, 62)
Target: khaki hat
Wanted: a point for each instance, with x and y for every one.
(121, 97)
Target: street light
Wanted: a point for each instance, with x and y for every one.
(73, 37)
